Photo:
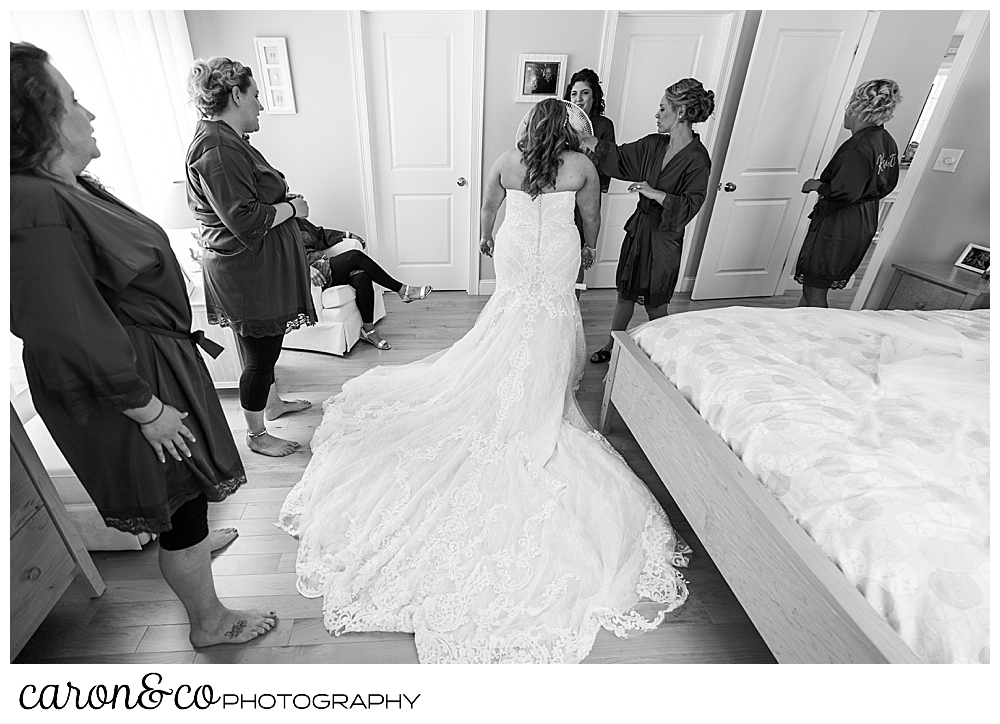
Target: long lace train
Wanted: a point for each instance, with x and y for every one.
(465, 498)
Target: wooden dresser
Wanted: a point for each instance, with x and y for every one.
(926, 286)
(46, 551)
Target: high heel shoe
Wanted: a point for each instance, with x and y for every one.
(367, 337)
(422, 293)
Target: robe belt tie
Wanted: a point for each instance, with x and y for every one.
(211, 347)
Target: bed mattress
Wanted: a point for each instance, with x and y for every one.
(872, 430)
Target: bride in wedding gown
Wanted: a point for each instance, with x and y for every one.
(464, 497)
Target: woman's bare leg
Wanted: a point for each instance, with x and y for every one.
(813, 297)
(276, 407)
(188, 572)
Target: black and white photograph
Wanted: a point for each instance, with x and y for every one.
(374, 336)
(975, 258)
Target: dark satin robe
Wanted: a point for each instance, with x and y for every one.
(256, 277)
(650, 259)
(843, 222)
(101, 304)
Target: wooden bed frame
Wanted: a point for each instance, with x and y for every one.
(803, 606)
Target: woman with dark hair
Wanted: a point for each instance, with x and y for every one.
(101, 304)
(864, 170)
(584, 91)
(464, 497)
(255, 269)
(669, 171)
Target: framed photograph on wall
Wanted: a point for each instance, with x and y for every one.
(975, 258)
(275, 79)
(539, 76)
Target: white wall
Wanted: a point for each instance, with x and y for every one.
(909, 47)
(510, 33)
(317, 147)
(950, 210)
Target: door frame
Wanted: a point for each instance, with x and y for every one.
(730, 45)
(368, 171)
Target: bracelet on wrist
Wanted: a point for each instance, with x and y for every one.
(292, 207)
(163, 406)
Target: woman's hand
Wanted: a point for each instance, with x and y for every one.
(589, 256)
(167, 434)
(300, 205)
(588, 144)
(486, 246)
(812, 184)
(641, 187)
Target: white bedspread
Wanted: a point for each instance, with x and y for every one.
(872, 429)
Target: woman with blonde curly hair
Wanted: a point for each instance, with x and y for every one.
(464, 497)
(863, 170)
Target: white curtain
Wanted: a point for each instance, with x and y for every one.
(128, 67)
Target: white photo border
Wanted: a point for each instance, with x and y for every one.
(965, 255)
(522, 62)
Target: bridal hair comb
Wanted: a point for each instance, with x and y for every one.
(577, 119)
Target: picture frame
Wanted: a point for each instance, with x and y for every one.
(975, 258)
(539, 76)
(275, 79)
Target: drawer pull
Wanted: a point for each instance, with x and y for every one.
(34, 573)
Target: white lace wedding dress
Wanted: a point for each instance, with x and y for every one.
(465, 498)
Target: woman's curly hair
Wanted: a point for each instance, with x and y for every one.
(210, 84)
(699, 104)
(874, 101)
(36, 109)
(590, 78)
(547, 135)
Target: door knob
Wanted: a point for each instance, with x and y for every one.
(730, 187)
(461, 181)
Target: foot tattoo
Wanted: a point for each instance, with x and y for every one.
(237, 629)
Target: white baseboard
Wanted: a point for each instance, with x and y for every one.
(487, 286)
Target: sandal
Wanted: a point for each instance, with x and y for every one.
(370, 338)
(422, 293)
(601, 356)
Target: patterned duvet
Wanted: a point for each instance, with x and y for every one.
(872, 429)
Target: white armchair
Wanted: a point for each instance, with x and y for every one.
(339, 325)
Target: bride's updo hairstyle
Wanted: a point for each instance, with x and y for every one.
(210, 84)
(698, 103)
(545, 133)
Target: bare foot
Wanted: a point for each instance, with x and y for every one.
(283, 406)
(234, 627)
(221, 538)
(268, 444)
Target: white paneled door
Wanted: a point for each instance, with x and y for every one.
(419, 75)
(650, 51)
(800, 63)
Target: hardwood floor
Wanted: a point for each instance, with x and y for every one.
(139, 621)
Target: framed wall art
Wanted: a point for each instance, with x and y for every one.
(975, 258)
(275, 79)
(539, 76)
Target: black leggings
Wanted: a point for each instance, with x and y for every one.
(189, 526)
(360, 270)
(259, 355)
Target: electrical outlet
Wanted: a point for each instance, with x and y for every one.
(948, 159)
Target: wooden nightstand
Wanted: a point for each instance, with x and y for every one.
(927, 286)
(227, 368)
